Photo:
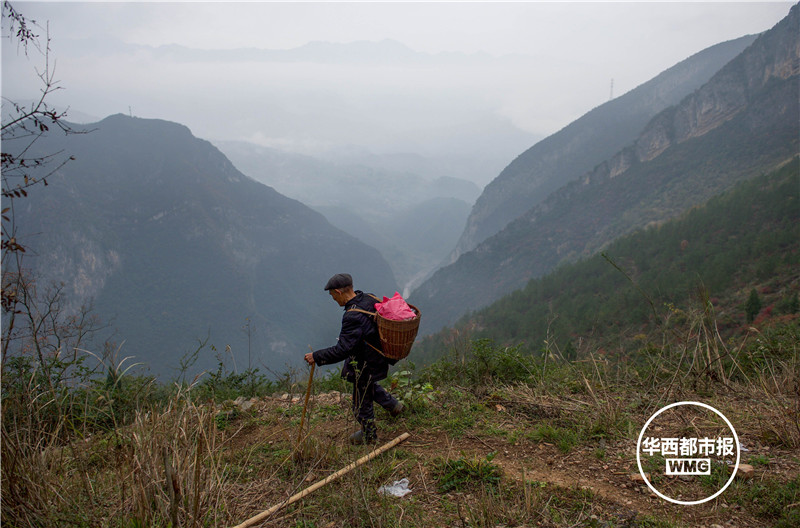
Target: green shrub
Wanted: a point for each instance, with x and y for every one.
(415, 394)
(564, 439)
(221, 385)
(772, 500)
(464, 473)
(483, 364)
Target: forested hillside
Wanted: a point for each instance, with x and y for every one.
(712, 258)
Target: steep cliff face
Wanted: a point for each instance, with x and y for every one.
(743, 122)
(173, 245)
(84, 269)
(590, 140)
(772, 56)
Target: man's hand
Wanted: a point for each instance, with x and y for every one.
(309, 357)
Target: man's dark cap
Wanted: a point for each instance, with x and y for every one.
(338, 281)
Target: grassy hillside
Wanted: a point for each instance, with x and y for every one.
(497, 438)
(501, 434)
(714, 256)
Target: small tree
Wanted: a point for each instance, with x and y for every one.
(22, 126)
(790, 304)
(38, 330)
(752, 306)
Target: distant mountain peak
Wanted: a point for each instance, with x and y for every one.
(317, 51)
(174, 244)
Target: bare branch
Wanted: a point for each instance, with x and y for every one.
(19, 27)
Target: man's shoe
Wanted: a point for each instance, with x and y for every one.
(359, 438)
(398, 409)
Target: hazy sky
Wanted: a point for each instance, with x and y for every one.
(565, 55)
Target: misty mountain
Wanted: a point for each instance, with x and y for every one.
(371, 103)
(175, 245)
(386, 209)
(316, 181)
(743, 122)
(577, 148)
(413, 239)
(476, 150)
(321, 52)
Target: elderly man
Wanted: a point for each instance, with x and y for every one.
(359, 346)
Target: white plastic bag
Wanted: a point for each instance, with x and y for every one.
(398, 489)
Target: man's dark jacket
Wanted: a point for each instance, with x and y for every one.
(358, 329)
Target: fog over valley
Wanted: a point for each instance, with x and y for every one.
(465, 86)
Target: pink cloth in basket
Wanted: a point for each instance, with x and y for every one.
(395, 308)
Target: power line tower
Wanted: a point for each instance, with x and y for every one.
(611, 93)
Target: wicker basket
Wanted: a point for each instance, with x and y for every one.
(397, 337)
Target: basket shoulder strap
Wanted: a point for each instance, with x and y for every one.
(362, 311)
(373, 347)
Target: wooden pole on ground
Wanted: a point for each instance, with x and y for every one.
(317, 485)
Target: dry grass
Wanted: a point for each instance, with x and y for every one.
(778, 390)
(43, 475)
(162, 468)
(170, 467)
(187, 464)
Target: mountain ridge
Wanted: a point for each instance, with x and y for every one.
(581, 145)
(317, 51)
(378, 206)
(175, 245)
(625, 192)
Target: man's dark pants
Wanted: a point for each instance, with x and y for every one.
(365, 392)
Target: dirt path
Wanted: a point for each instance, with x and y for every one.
(529, 462)
(608, 470)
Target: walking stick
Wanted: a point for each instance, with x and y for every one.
(305, 404)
